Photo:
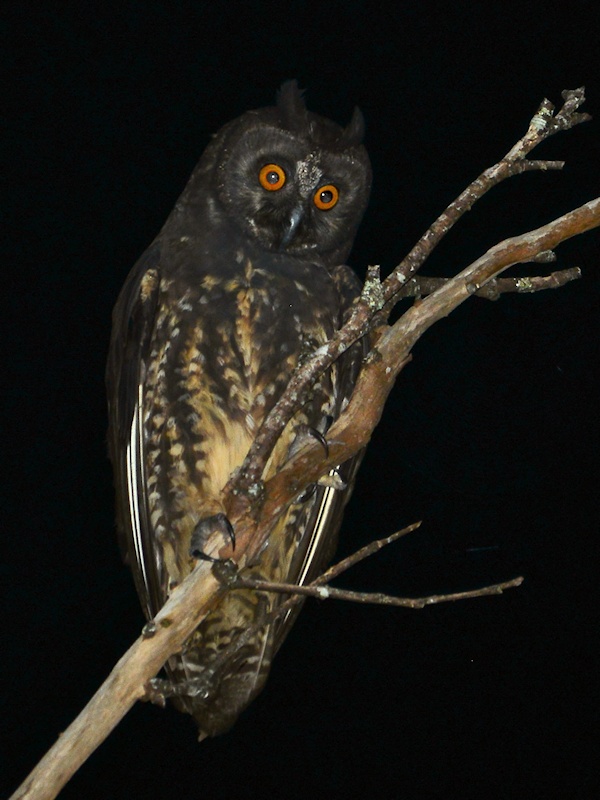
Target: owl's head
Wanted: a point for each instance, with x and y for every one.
(296, 182)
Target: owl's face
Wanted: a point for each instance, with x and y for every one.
(295, 182)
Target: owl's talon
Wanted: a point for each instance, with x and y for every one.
(231, 533)
(316, 434)
(204, 530)
(303, 432)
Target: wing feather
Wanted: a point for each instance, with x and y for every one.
(323, 525)
(133, 325)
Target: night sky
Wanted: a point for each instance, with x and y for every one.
(490, 436)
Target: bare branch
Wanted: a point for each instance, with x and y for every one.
(320, 588)
(420, 286)
(175, 622)
(326, 592)
(526, 285)
(352, 431)
(233, 579)
(543, 124)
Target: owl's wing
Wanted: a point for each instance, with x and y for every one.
(328, 504)
(133, 323)
(322, 531)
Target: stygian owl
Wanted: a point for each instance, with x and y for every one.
(243, 282)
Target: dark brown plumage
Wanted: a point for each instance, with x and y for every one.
(244, 280)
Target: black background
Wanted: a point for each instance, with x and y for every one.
(490, 436)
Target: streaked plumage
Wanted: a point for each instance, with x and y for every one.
(244, 280)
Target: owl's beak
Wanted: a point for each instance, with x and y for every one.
(292, 226)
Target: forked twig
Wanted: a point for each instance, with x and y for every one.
(321, 589)
(227, 574)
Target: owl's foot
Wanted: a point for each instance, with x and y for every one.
(203, 532)
(156, 692)
(303, 434)
(157, 689)
(320, 438)
(226, 572)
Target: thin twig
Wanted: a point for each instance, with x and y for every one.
(420, 286)
(233, 580)
(364, 552)
(374, 598)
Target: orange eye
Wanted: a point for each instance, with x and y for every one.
(271, 177)
(326, 197)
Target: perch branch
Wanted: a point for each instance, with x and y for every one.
(352, 431)
(376, 295)
(175, 622)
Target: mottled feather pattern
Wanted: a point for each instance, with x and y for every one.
(239, 287)
(209, 385)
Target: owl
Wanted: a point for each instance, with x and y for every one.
(244, 281)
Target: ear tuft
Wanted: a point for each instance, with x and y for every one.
(354, 132)
(290, 102)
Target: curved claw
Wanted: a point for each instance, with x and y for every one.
(205, 529)
(230, 531)
(320, 438)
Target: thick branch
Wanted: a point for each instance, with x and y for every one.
(352, 431)
(188, 604)
(375, 295)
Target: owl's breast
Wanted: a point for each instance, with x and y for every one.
(242, 330)
(223, 351)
